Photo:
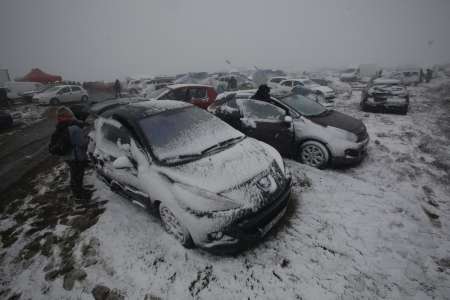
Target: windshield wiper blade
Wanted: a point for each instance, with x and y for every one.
(182, 157)
(223, 144)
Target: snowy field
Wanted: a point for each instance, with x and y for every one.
(379, 230)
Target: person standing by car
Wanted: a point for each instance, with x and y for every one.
(69, 142)
(117, 88)
(263, 93)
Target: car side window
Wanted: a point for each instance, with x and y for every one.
(64, 90)
(198, 93)
(260, 110)
(287, 83)
(115, 136)
(76, 89)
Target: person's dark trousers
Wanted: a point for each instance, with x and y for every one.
(76, 176)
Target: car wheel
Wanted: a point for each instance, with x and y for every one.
(314, 154)
(54, 101)
(174, 227)
(84, 98)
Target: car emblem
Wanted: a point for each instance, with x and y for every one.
(267, 183)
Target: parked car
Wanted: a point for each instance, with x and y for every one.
(197, 94)
(16, 89)
(350, 75)
(61, 94)
(28, 95)
(297, 127)
(275, 81)
(322, 94)
(385, 95)
(212, 186)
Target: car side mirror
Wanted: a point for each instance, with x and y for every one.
(287, 119)
(122, 162)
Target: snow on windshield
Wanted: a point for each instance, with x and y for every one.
(186, 131)
(303, 105)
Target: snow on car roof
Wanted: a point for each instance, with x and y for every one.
(386, 81)
(181, 85)
(139, 110)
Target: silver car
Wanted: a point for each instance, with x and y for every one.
(61, 94)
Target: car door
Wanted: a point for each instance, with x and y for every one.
(266, 122)
(229, 112)
(114, 141)
(64, 94)
(75, 93)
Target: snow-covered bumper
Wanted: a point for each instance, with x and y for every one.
(393, 104)
(349, 152)
(248, 227)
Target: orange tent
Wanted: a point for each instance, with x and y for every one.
(36, 75)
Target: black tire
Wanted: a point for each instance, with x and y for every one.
(54, 101)
(84, 98)
(174, 227)
(314, 154)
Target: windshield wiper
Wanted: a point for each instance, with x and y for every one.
(183, 157)
(223, 144)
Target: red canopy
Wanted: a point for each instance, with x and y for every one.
(36, 75)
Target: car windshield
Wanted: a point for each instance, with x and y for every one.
(304, 105)
(156, 93)
(185, 134)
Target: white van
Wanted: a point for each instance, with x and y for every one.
(17, 88)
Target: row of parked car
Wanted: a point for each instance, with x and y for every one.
(211, 165)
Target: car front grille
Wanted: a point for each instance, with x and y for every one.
(253, 224)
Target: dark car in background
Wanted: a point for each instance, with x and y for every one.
(197, 94)
(212, 186)
(297, 127)
(385, 95)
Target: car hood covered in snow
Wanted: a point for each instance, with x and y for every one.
(321, 88)
(232, 171)
(339, 120)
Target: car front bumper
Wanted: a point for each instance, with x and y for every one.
(351, 154)
(251, 228)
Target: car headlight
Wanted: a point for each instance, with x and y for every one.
(344, 134)
(202, 202)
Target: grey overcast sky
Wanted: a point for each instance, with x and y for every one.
(105, 39)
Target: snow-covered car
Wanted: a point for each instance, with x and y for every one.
(61, 94)
(274, 82)
(350, 75)
(212, 186)
(297, 127)
(16, 89)
(322, 94)
(197, 94)
(385, 95)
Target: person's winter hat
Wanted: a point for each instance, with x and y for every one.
(64, 114)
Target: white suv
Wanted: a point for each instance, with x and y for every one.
(61, 94)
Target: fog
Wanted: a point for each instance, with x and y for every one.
(91, 40)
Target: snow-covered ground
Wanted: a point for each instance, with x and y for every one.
(379, 230)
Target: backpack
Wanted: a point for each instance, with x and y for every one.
(60, 142)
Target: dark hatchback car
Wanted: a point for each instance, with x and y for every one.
(385, 95)
(297, 127)
(212, 186)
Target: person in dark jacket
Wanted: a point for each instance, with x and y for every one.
(77, 158)
(117, 88)
(263, 93)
